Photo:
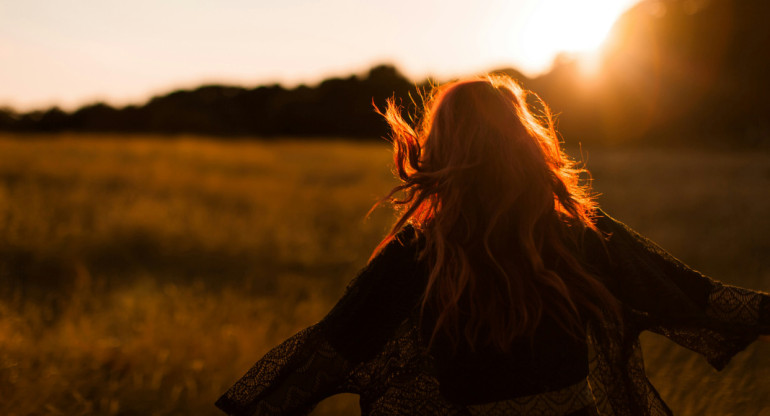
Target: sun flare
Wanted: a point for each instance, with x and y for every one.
(575, 27)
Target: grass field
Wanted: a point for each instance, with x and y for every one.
(143, 275)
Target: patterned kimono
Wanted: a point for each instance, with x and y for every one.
(371, 343)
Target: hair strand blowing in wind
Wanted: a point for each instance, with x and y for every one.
(500, 205)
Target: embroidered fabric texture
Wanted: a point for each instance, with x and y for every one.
(370, 343)
(398, 381)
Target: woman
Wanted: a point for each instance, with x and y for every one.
(501, 288)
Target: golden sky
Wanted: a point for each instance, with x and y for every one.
(74, 52)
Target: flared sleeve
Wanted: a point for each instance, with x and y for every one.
(319, 361)
(290, 379)
(666, 296)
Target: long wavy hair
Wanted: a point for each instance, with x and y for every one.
(500, 206)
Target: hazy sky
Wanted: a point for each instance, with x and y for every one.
(73, 52)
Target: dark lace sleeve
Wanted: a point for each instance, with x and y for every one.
(667, 297)
(318, 361)
(290, 379)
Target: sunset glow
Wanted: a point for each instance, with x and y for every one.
(70, 53)
(553, 26)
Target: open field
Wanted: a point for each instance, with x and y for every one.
(144, 275)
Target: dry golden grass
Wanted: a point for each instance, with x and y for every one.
(143, 275)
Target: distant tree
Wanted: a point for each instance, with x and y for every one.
(53, 120)
(688, 68)
(95, 117)
(8, 119)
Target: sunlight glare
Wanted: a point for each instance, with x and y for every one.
(574, 27)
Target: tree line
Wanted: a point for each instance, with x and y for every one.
(674, 70)
(336, 107)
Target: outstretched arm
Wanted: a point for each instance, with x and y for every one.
(290, 379)
(318, 361)
(705, 315)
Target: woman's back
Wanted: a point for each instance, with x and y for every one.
(501, 288)
(501, 209)
(371, 344)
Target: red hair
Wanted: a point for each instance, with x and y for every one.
(499, 204)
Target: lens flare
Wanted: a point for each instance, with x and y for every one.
(575, 27)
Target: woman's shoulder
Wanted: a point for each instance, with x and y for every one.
(618, 235)
(613, 240)
(607, 224)
(403, 248)
(383, 294)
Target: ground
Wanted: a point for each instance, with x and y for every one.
(143, 275)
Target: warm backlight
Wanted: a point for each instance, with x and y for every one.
(575, 27)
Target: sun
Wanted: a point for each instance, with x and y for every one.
(550, 27)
